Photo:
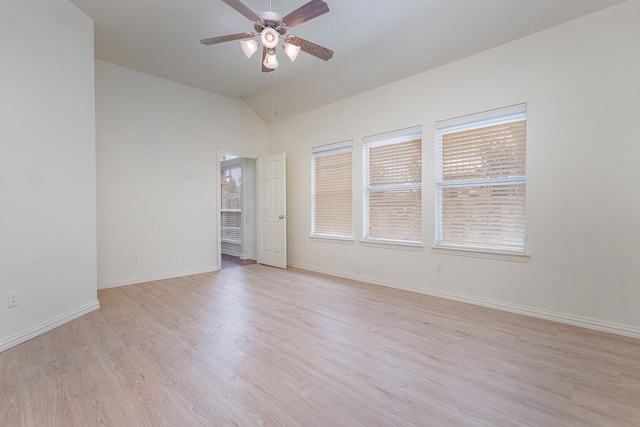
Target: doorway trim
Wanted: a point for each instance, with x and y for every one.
(219, 153)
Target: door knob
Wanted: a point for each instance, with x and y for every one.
(282, 216)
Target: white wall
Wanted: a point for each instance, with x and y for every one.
(580, 81)
(157, 144)
(47, 167)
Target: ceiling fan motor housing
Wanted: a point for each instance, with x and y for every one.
(272, 20)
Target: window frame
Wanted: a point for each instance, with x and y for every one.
(232, 165)
(387, 139)
(323, 151)
(510, 114)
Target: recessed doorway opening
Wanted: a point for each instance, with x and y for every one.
(236, 213)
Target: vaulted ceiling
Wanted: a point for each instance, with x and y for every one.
(375, 43)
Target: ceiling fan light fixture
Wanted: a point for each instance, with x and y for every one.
(271, 27)
(269, 37)
(292, 51)
(249, 47)
(270, 60)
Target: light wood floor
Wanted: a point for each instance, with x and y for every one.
(230, 261)
(261, 346)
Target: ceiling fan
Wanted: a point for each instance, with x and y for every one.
(271, 28)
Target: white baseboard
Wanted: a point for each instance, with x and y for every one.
(40, 329)
(144, 279)
(583, 322)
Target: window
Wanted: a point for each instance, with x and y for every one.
(231, 204)
(332, 190)
(393, 186)
(480, 181)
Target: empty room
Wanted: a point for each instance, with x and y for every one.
(319, 213)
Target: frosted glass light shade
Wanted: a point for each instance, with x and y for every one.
(270, 60)
(249, 47)
(292, 51)
(269, 38)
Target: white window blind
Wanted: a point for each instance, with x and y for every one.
(231, 204)
(393, 186)
(480, 181)
(332, 188)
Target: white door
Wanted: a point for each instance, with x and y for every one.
(272, 214)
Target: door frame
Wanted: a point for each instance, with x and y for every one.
(220, 152)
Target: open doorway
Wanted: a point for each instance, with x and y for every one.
(237, 210)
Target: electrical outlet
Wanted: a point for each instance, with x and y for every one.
(135, 258)
(439, 266)
(12, 299)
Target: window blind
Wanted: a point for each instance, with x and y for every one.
(393, 186)
(481, 181)
(231, 204)
(332, 188)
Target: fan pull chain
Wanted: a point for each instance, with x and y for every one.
(275, 98)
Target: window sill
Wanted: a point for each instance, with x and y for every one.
(415, 247)
(477, 253)
(333, 239)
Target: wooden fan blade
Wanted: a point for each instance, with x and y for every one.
(244, 10)
(304, 13)
(230, 37)
(311, 48)
(264, 55)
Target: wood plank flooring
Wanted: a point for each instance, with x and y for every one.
(230, 261)
(257, 346)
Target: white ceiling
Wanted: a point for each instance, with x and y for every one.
(375, 43)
